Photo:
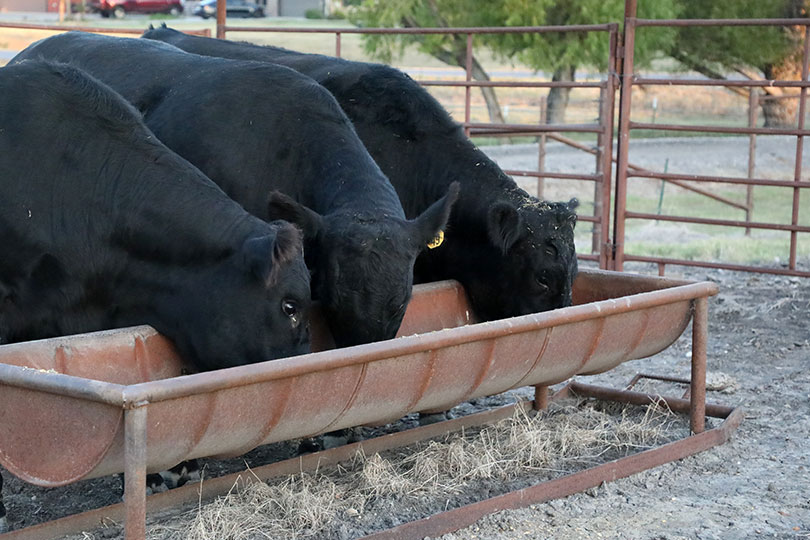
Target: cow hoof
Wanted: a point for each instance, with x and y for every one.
(333, 440)
(427, 419)
(155, 484)
(179, 475)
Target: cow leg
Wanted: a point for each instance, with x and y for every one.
(3, 520)
(154, 484)
(333, 439)
(185, 472)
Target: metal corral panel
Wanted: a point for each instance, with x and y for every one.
(62, 420)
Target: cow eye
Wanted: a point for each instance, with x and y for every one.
(290, 309)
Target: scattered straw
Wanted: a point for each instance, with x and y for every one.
(308, 505)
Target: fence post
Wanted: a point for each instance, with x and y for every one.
(467, 88)
(541, 147)
(135, 472)
(221, 15)
(753, 103)
(797, 171)
(624, 133)
(596, 235)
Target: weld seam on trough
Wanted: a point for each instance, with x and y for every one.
(541, 492)
(272, 422)
(537, 359)
(349, 402)
(63, 385)
(162, 390)
(431, 371)
(486, 366)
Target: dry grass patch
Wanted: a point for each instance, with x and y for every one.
(308, 505)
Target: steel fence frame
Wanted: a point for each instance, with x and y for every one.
(626, 125)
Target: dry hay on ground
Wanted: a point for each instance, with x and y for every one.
(538, 445)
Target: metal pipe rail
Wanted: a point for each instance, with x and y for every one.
(629, 79)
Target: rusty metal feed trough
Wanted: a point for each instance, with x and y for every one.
(114, 401)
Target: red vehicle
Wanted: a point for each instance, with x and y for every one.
(119, 8)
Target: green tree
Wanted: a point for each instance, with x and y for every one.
(561, 53)
(756, 52)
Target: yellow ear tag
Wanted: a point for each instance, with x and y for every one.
(437, 241)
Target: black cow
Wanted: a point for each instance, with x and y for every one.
(513, 254)
(100, 227)
(253, 128)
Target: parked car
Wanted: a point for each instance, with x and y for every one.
(119, 8)
(233, 8)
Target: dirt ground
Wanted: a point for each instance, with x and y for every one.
(758, 485)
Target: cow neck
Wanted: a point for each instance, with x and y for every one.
(176, 213)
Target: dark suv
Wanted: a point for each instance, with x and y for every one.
(119, 8)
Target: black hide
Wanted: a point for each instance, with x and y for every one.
(513, 254)
(102, 226)
(254, 128)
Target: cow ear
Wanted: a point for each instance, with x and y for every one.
(280, 206)
(262, 256)
(429, 226)
(505, 225)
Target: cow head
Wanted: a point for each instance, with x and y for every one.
(527, 261)
(362, 264)
(252, 307)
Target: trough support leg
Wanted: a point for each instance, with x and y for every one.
(135, 473)
(697, 394)
(540, 398)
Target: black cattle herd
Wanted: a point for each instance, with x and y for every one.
(213, 189)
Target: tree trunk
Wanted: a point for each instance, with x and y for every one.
(458, 57)
(781, 113)
(558, 97)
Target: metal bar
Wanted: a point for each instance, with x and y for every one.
(540, 402)
(221, 19)
(91, 29)
(63, 385)
(199, 383)
(675, 404)
(135, 473)
(453, 520)
(596, 232)
(697, 387)
(722, 22)
(468, 89)
(337, 44)
(753, 83)
(720, 222)
(718, 129)
(797, 171)
(605, 251)
(703, 264)
(753, 103)
(527, 128)
(515, 84)
(641, 173)
(623, 143)
(541, 148)
(449, 30)
(562, 176)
